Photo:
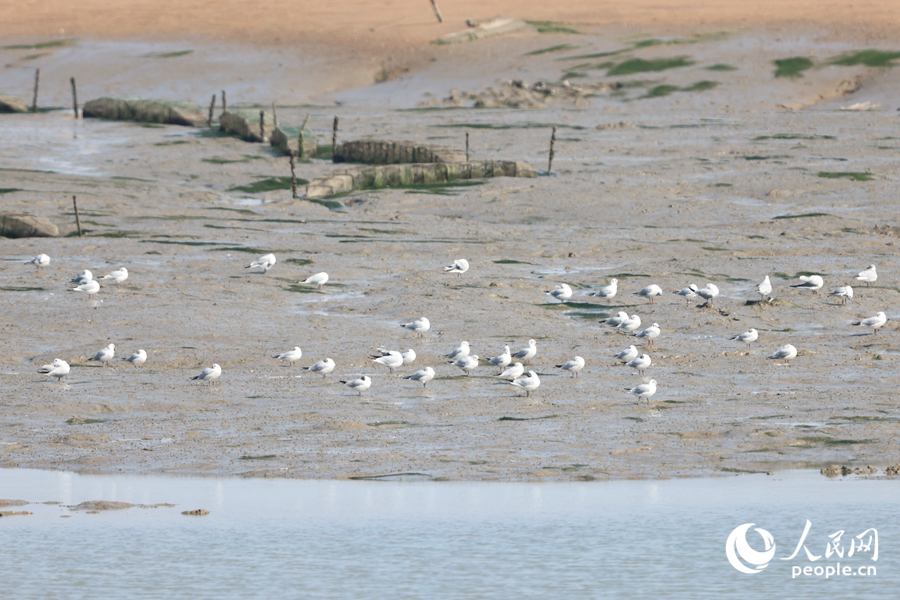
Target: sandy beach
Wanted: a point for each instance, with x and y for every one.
(726, 160)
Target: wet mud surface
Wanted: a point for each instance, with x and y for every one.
(691, 186)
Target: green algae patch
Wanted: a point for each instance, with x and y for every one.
(557, 48)
(551, 27)
(854, 175)
(792, 67)
(639, 65)
(869, 58)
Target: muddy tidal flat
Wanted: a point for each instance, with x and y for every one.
(707, 166)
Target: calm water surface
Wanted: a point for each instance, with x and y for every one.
(378, 539)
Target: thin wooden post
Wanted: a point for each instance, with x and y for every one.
(467, 146)
(262, 126)
(212, 107)
(274, 116)
(74, 97)
(293, 176)
(437, 11)
(552, 142)
(77, 220)
(334, 139)
(224, 103)
(300, 150)
(37, 78)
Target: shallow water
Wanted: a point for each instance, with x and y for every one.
(268, 538)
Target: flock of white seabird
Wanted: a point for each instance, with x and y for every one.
(85, 283)
(461, 356)
(624, 323)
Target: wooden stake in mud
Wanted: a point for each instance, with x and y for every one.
(74, 97)
(262, 126)
(552, 141)
(467, 146)
(437, 11)
(37, 78)
(212, 107)
(77, 220)
(300, 151)
(224, 103)
(293, 176)
(334, 139)
(274, 116)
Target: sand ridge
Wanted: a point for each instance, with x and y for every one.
(387, 26)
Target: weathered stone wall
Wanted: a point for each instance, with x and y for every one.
(374, 177)
(12, 104)
(244, 123)
(287, 139)
(19, 225)
(378, 152)
(168, 112)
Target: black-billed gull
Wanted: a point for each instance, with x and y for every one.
(630, 324)
(83, 278)
(319, 279)
(425, 375)
(459, 267)
(41, 260)
(512, 372)
(209, 374)
(467, 363)
(391, 360)
(502, 360)
(812, 282)
(527, 353)
(644, 390)
(291, 356)
(641, 363)
(746, 338)
(409, 357)
(88, 289)
(359, 385)
(420, 326)
(266, 262)
(105, 355)
(845, 293)
(562, 292)
(119, 275)
(875, 322)
(607, 292)
(572, 366)
(869, 275)
(58, 368)
(765, 288)
(786, 352)
(323, 366)
(650, 334)
(708, 293)
(616, 320)
(529, 383)
(688, 293)
(651, 291)
(138, 358)
(460, 351)
(628, 354)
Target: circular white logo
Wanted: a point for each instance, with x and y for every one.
(737, 549)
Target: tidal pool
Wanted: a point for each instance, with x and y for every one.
(267, 538)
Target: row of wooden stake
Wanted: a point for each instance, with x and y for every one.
(34, 99)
